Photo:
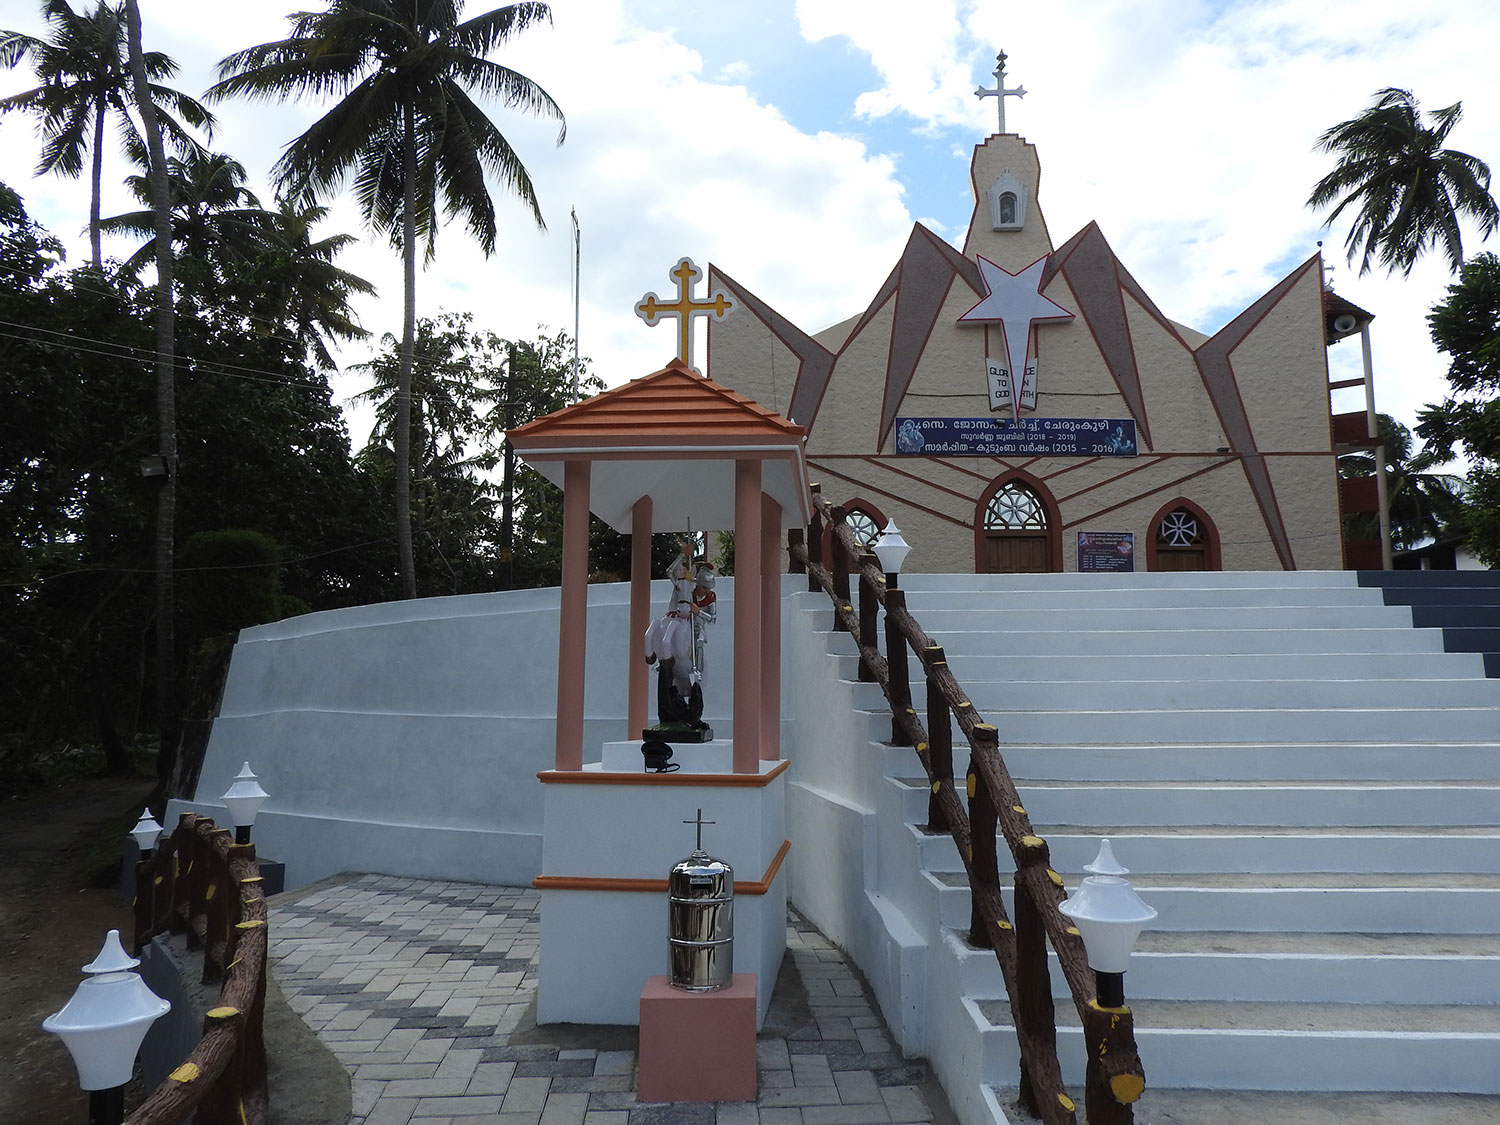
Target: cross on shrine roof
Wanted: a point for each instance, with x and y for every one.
(652, 308)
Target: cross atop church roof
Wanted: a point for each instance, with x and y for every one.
(1000, 93)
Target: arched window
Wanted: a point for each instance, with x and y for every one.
(1018, 528)
(1008, 208)
(1015, 508)
(866, 527)
(1183, 538)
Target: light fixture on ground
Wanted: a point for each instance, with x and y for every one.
(145, 833)
(102, 1027)
(1110, 916)
(243, 799)
(891, 549)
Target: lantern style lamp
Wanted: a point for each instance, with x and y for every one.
(145, 833)
(102, 1027)
(243, 799)
(1110, 916)
(891, 549)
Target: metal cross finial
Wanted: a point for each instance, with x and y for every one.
(652, 308)
(1000, 93)
(700, 822)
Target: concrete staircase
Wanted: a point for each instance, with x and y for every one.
(1304, 784)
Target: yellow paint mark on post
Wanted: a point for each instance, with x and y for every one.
(208, 894)
(972, 784)
(1004, 925)
(1073, 930)
(187, 1072)
(222, 1013)
(1032, 841)
(937, 786)
(1055, 877)
(248, 925)
(1127, 1087)
(1019, 808)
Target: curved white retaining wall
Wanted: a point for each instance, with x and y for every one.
(405, 737)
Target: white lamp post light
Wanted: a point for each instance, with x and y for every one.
(145, 833)
(102, 1027)
(1110, 916)
(891, 549)
(243, 799)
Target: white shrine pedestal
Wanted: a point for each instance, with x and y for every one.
(611, 835)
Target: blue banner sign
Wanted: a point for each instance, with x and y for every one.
(1031, 437)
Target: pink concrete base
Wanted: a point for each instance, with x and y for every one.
(697, 1046)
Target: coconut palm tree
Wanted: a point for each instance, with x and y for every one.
(406, 130)
(295, 281)
(85, 77)
(216, 219)
(1423, 504)
(1407, 190)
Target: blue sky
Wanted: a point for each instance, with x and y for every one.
(794, 142)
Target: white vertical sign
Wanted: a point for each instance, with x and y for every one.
(998, 374)
(1028, 385)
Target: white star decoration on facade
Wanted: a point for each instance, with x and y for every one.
(1015, 300)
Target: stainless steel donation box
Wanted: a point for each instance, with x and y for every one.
(700, 906)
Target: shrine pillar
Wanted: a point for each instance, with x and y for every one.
(572, 629)
(748, 515)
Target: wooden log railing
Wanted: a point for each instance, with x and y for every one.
(202, 884)
(1114, 1078)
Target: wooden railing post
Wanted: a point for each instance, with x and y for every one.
(840, 568)
(795, 537)
(869, 617)
(940, 739)
(815, 539)
(1034, 1010)
(895, 659)
(985, 864)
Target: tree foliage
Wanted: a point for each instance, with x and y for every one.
(263, 448)
(1466, 326)
(84, 78)
(1423, 504)
(1407, 192)
(407, 131)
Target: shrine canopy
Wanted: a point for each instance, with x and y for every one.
(673, 436)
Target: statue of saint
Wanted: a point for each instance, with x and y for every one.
(676, 643)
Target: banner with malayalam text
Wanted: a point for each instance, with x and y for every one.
(1024, 437)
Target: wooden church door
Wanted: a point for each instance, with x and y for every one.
(1016, 539)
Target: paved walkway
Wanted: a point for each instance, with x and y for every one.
(425, 991)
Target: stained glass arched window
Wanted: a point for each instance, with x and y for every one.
(1179, 528)
(1015, 508)
(866, 530)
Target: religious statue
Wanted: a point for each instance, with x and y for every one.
(676, 644)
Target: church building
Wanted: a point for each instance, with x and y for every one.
(1023, 405)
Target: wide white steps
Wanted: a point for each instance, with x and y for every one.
(1305, 787)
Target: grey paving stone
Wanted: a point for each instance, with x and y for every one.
(599, 1084)
(845, 1115)
(771, 1054)
(491, 1078)
(906, 1104)
(606, 1117)
(857, 1087)
(556, 1068)
(526, 1094)
(565, 1109)
(736, 1113)
(801, 1096)
(614, 1062)
(450, 1107)
(787, 1115)
(613, 1099)
(673, 1113)
(391, 1111)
